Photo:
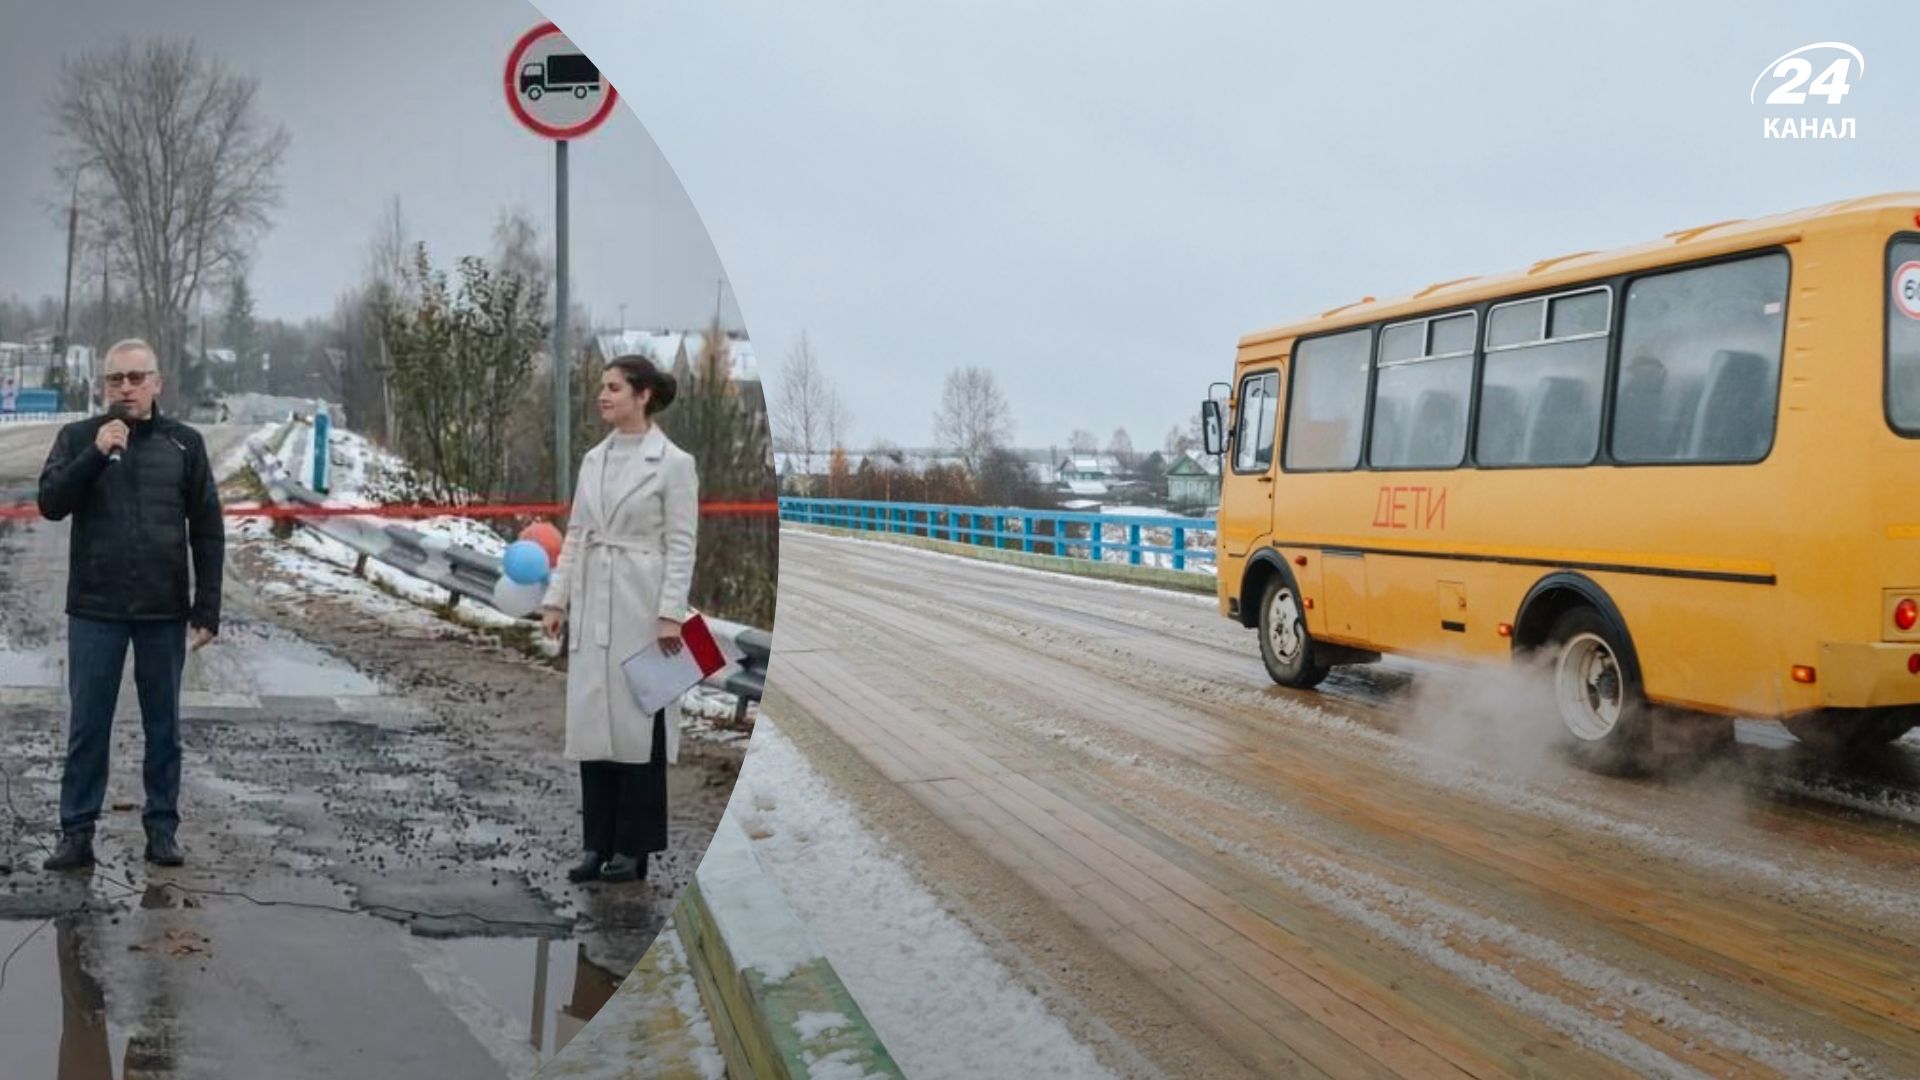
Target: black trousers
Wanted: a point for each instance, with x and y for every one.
(624, 806)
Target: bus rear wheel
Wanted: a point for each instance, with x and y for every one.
(1847, 731)
(1602, 710)
(1285, 645)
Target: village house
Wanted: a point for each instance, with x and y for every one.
(1193, 482)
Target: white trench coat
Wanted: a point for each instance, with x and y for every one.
(627, 563)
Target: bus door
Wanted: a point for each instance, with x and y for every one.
(1246, 487)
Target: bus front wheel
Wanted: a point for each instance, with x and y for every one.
(1599, 702)
(1285, 644)
(1846, 731)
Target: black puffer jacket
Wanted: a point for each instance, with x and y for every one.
(137, 522)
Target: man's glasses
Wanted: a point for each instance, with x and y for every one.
(130, 378)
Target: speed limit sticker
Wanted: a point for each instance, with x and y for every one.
(1906, 289)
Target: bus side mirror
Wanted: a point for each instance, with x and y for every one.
(1210, 433)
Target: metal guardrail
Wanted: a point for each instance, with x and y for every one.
(1069, 534)
(464, 572)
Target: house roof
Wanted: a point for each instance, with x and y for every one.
(1189, 465)
(1084, 463)
(663, 347)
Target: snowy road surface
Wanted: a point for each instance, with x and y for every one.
(1394, 876)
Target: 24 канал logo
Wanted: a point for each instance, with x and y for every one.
(1793, 83)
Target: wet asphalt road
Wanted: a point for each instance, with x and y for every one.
(1395, 875)
(375, 812)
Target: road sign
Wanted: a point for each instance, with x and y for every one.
(553, 88)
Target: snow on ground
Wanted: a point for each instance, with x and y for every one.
(365, 475)
(360, 473)
(312, 565)
(236, 458)
(940, 1001)
(1141, 511)
(686, 999)
(707, 713)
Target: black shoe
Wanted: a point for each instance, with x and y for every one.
(163, 849)
(587, 869)
(75, 852)
(623, 868)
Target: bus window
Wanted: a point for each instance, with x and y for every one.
(1517, 324)
(1329, 401)
(1540, 390)
(1700, 363)
(1420, 398)
(1903, 342)
(1253, 434)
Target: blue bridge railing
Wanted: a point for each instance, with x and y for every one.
(1135, 539)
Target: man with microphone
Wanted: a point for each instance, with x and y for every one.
(144, 563)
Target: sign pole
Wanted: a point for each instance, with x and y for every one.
(562, 383)
(558, 93)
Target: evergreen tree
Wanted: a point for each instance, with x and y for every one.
(241, 334)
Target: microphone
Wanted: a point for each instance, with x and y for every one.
(117, 411)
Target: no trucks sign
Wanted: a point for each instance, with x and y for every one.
(552, 86)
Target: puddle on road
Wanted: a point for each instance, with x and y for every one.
(257, 658)
(550, 988)
(54, 1017)
(247, 662)
(35, 668)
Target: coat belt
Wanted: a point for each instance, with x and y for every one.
(602, 610)
(594, 539)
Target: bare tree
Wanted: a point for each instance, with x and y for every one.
(1121, 447)
(390, 252)
(1083, 441)
(808, 416)
(839, 421)
(519, 250)
(973, 419)
(171, 152)
(388, 289)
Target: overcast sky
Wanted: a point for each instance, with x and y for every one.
(1093, 200)
(380, 99)
(1096, 199)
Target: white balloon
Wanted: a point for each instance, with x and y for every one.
(516, 599)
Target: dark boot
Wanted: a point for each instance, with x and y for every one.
(75, 852)
(587, 869)
(623, 868)
(163, 849)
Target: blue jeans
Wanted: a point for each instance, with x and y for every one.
(96, 657)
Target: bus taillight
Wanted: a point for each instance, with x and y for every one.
(1906, 614)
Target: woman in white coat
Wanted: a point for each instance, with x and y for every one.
(620, 584)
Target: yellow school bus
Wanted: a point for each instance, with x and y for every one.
(1683, 477)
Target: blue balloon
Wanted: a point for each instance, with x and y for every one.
(526, 563)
